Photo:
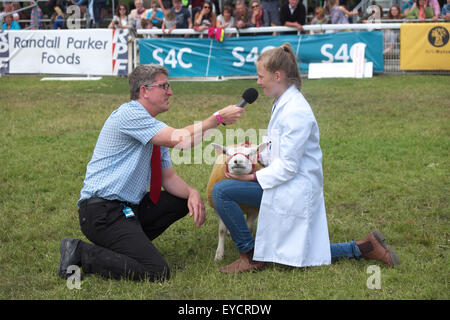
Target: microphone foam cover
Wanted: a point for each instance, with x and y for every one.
(250, 95)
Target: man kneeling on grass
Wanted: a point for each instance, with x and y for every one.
(132, 152)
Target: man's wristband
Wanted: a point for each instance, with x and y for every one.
(218, 117)
(255, 178)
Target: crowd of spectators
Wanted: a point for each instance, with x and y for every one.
(203, 14)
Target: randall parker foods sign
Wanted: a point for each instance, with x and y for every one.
(85, 52)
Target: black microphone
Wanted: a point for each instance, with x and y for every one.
(249, 96)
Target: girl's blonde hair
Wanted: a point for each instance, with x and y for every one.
(282, 59)
(169, 15)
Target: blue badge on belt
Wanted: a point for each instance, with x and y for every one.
(127, 211)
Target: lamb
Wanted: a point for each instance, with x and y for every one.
(240, 159)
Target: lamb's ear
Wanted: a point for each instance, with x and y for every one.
(258, 148)
(219, 149)
(262, 146)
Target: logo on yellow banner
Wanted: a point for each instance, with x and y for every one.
(438, 36)
(424, 46)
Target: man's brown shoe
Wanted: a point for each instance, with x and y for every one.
(243, 264)
(374, 247)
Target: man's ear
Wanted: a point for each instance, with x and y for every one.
(142, 92)
(219, 149)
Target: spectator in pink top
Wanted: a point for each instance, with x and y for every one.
(36, 13)
(436, 8)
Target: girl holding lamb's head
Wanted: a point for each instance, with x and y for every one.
(292, 226)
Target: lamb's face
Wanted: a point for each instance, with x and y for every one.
(240, 159)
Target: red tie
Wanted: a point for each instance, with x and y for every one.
(155, 180)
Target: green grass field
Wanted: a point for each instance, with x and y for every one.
(385, 142)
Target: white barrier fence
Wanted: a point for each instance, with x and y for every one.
(316, 28)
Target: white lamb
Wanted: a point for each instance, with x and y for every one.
(240, 159)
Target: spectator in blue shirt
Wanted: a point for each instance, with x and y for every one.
(271, 11)
(116, 212)
(10, 23)
(155, 14)
(445, 13)
(58, 18)
(406, 6)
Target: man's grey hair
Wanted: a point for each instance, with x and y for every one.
(142, 75)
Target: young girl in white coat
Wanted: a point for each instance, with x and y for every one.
(292, 225)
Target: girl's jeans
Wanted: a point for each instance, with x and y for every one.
(227, 194)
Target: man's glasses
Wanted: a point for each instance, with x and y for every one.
(255, 6)
(165, 85)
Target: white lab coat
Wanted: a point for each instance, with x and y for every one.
(292, 225)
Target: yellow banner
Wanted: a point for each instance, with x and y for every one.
(425, 46)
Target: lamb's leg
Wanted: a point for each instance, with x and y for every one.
(221, 243)
(251, 218)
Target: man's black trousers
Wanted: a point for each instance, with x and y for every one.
(123, 246)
